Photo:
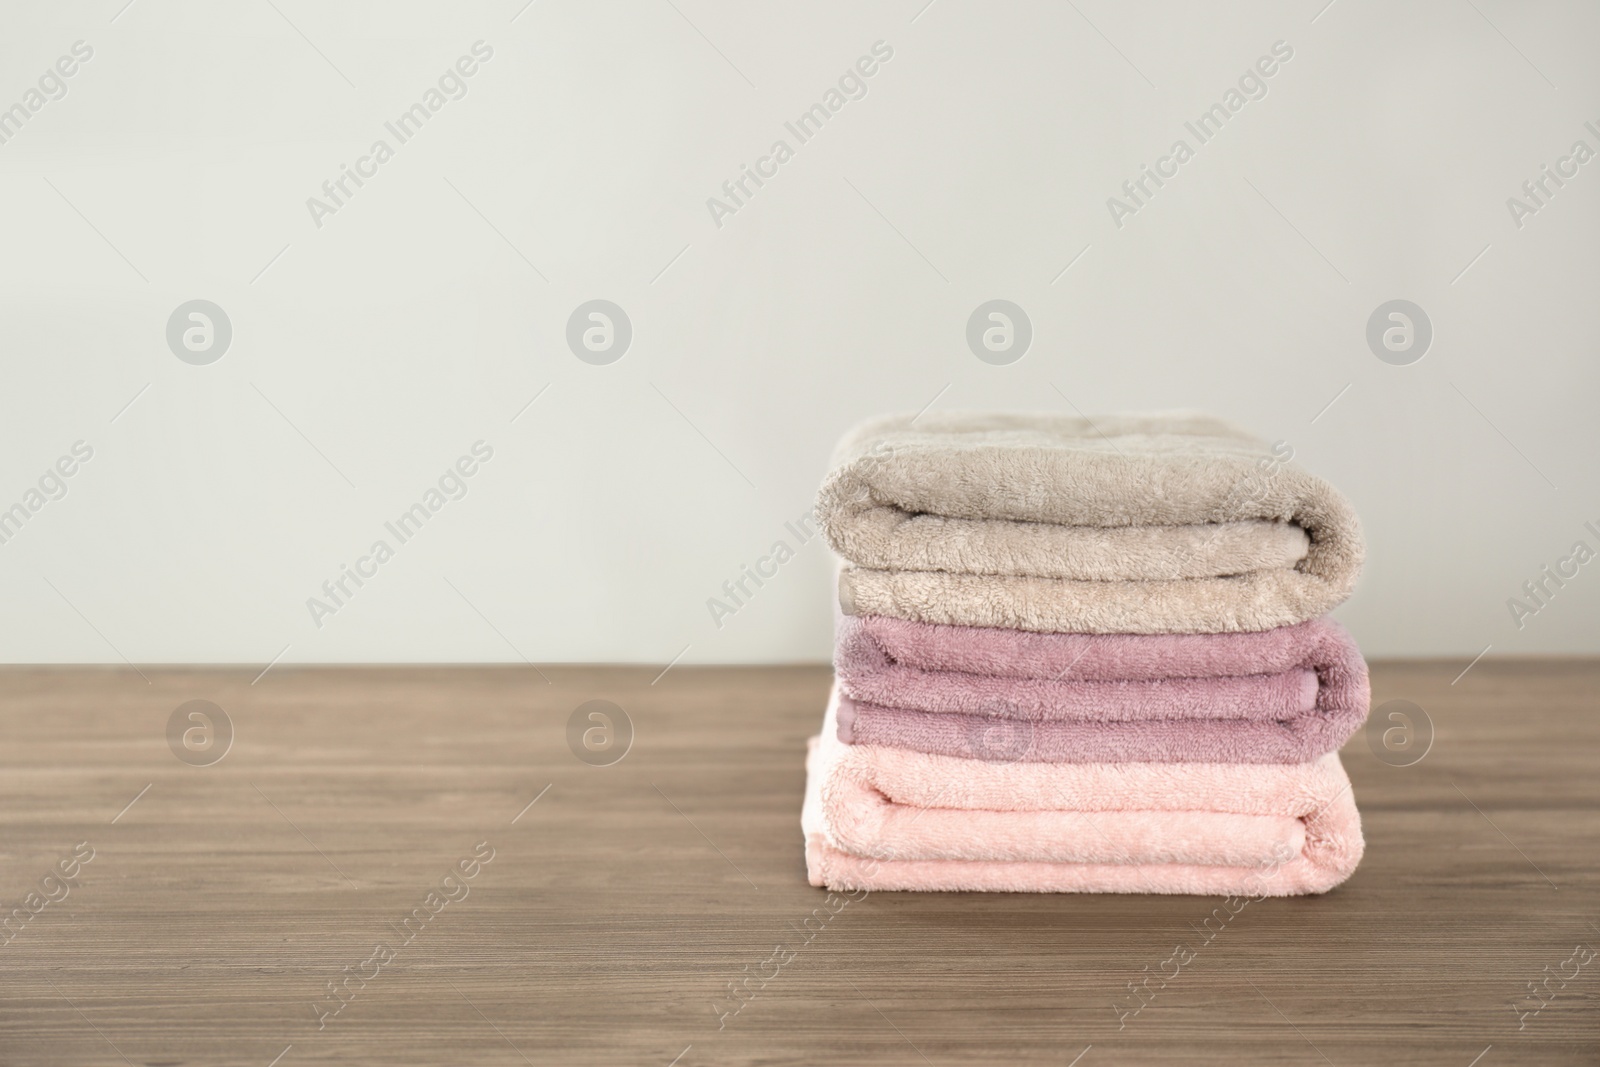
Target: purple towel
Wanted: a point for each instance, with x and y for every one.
(1286, 695)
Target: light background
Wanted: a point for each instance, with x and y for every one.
(370, 353)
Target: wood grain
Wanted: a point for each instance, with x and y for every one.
(618, 908)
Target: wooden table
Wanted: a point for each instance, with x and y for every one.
(222, 901)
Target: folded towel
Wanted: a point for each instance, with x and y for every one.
(1286, 695)
(1176, 523)
(888, 818)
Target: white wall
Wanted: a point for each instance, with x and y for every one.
(378, 347)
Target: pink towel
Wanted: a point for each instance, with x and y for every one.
(890, 818)
(1287, 695)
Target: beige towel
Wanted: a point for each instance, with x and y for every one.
(1170, 523)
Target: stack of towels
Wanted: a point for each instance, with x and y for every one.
(1084, 655)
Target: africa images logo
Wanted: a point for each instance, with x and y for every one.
(1252, 85)
(452, 85)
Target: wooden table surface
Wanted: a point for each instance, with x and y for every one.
(223, 901)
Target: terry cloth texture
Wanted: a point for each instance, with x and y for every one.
(1171, 523)
(1286, 695)
(887, 818)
